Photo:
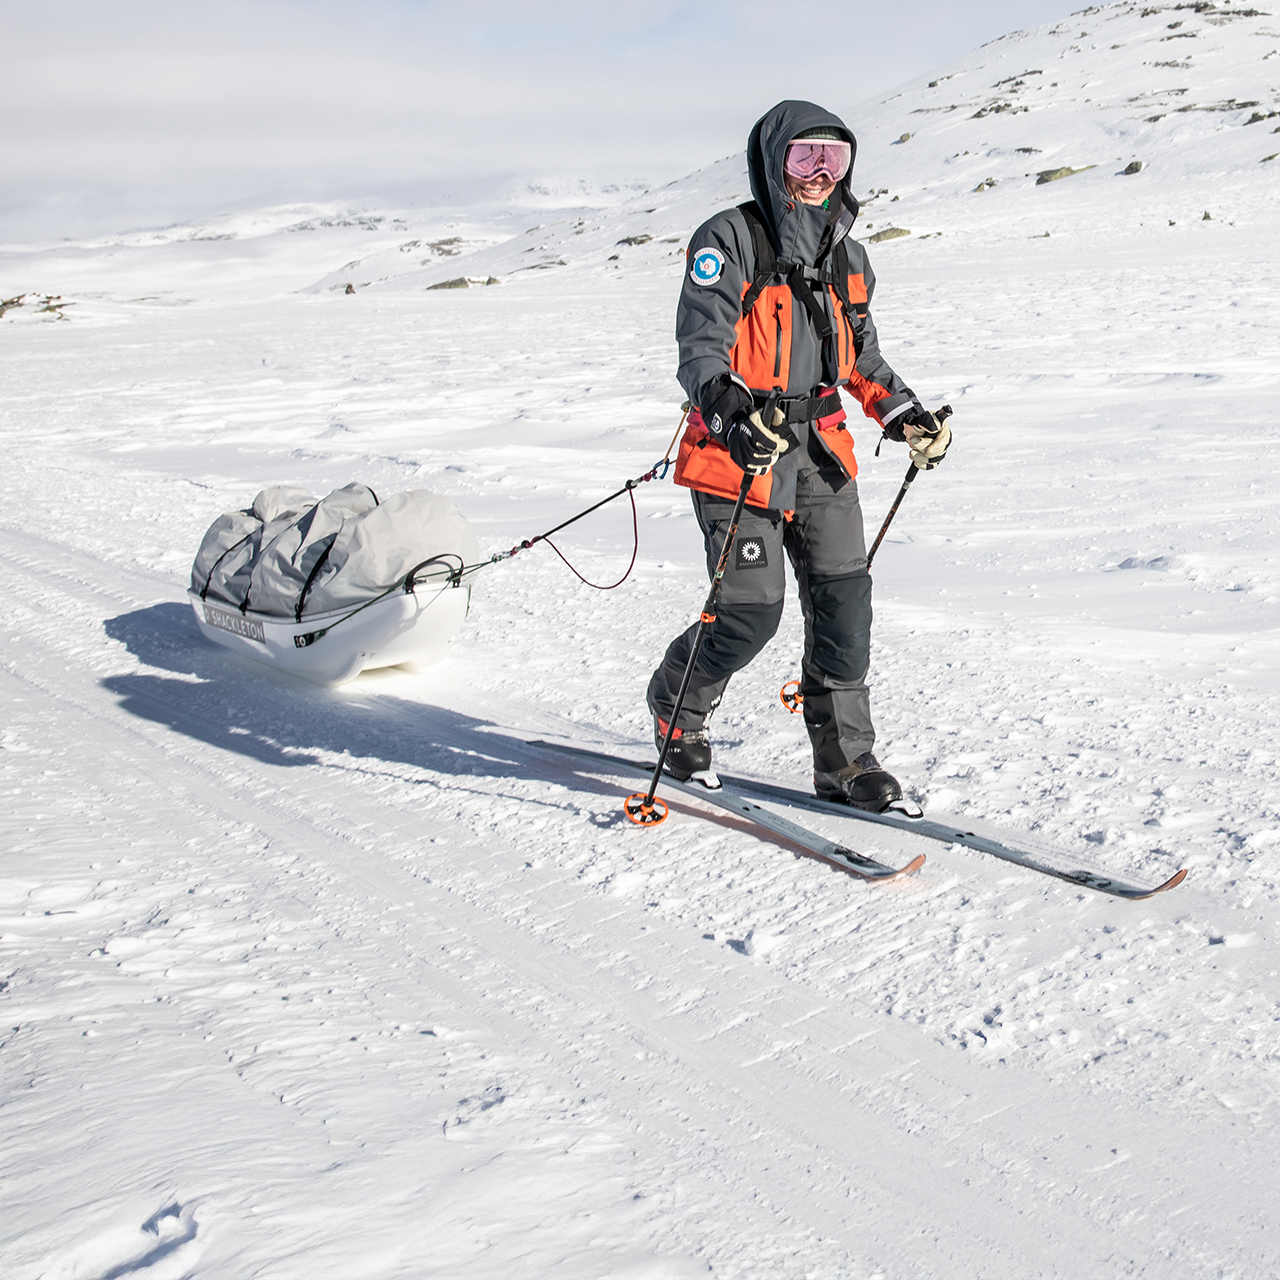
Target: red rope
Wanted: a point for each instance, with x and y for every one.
(635, 550)
(654, 473)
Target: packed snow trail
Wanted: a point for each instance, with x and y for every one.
(313, 1000)
(233, 814)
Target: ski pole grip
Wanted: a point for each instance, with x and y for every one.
(940, 417)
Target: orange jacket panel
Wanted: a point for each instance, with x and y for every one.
(761, 354)
(703, 463)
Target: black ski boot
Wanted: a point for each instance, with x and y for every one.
(862, 784)
(689, 753)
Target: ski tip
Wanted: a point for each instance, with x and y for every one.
(874, 872)
(1171, 883)
(913, 866)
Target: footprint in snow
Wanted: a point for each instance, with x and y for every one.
(469, 1110)
(757, 943)
(163, 1234)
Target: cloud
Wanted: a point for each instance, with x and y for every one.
(158, 109)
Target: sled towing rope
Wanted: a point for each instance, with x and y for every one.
(657, 472)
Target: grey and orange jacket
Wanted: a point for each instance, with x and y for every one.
(778, 345)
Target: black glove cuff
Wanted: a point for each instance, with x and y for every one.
(895, 432)
(725, 403)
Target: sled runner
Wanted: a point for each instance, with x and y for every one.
(410, 627)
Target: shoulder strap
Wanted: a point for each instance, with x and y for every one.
(855, 313)
(841, 282)
(804, 294)
(762, 250)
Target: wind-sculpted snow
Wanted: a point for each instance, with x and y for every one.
(353, 982)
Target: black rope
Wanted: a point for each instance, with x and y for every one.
(455, 575)
(635, 551)
(657, 472)
(409, 581)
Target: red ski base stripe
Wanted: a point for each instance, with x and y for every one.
(810, 843)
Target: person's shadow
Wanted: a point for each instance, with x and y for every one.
(275, 719)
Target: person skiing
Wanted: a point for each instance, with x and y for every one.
(773, 317)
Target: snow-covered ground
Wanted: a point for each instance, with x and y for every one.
(354, 983)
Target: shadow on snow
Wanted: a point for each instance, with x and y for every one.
(276, 719)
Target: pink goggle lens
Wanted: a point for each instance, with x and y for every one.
(806, 160)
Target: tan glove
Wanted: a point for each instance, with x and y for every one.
(755, 447)
(928, 442)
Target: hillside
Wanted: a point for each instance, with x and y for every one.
(1118, 85)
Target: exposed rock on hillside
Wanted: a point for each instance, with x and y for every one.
(1054, 175)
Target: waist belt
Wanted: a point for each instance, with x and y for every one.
(805, 408)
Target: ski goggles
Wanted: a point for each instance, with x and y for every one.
(806, 160)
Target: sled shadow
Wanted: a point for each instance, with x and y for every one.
(275, 719)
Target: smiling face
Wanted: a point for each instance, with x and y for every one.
(815, 191)
(812, 166)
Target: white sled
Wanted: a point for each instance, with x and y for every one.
(301, 584)
(403, 628)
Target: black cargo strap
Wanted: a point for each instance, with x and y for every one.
(320, 563)
(204, 591)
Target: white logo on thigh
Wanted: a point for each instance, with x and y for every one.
(751, 554)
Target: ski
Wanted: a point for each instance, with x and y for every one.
(953, 834)
(713, 792)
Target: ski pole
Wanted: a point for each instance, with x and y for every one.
(645, 810)
(942, 415)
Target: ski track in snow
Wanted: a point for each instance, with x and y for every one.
(354, 982)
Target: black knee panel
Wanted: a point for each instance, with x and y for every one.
(842, 625)
(736, 636)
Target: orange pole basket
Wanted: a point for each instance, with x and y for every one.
(791, 697)
(643, 811)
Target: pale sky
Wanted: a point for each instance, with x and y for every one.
(124, 113)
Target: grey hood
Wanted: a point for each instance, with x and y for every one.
(798, 231)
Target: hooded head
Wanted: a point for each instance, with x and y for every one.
(795, 228)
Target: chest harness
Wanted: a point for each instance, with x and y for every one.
(841, 340)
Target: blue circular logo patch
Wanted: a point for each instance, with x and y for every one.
(707, 266)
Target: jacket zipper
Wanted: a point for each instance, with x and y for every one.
(777, 341)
